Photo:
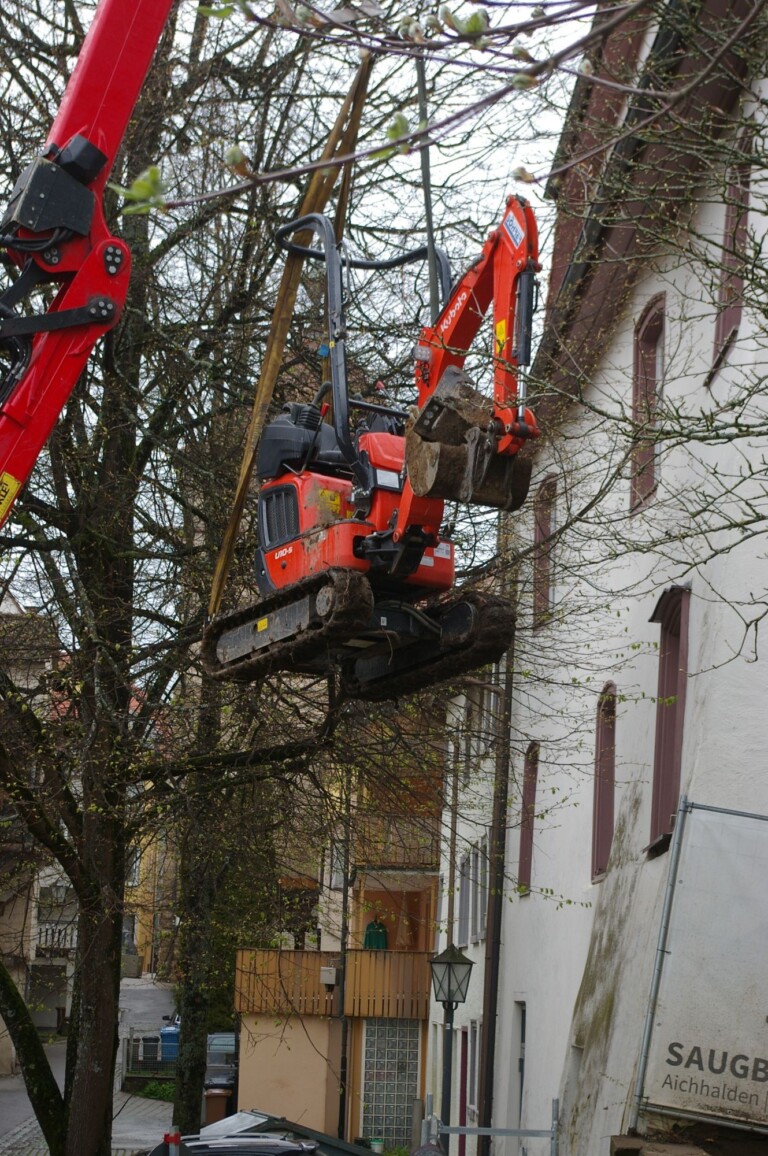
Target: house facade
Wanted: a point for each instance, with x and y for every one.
(474, 755)
(633, 924)
(149, 923)
(35, 926)
(38, 905)
(333, 1033)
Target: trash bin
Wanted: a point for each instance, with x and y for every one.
(216, 1104)
(169, 1043)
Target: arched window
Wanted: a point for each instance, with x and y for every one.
(672, 615)
(647, 382)
(605, 780)
(527, 816)
(543, 528)
(731, 289)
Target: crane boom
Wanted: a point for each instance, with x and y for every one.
(55, 232)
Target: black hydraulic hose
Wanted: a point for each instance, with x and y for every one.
(320, 225)
(426, 180)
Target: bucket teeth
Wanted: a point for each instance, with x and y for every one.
(450, 450)
(453, 410)
(505, 484)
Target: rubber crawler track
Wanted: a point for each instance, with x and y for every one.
(492, 638)
(354, 603)
(352, 610)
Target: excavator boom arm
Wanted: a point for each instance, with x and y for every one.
(463, 445)
(503, 274)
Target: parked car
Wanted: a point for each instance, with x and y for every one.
(221, 1060)
(251, 1123)
(263, 1145)
(242, 1123)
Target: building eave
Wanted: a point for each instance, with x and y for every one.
(644, 170)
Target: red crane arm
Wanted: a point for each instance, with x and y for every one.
(54, 230)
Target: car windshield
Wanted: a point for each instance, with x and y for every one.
(221, 1048)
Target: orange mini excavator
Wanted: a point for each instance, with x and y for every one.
(355, 569)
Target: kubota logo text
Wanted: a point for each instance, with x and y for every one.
(462, 298)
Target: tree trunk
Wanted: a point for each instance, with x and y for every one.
(44, 1095)
(198, 888)
(99, 939)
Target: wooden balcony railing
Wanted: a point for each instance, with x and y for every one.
(387, 984)
(380, 984)
(283, 982)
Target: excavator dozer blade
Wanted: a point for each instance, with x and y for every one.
(450, 450)
(472, 630)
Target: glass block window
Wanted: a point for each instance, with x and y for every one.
(390, 1080)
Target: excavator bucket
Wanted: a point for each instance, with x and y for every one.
(450, 450)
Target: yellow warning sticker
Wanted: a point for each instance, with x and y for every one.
(501, 336)
(262, 624)
(9, 488)
(331, 499)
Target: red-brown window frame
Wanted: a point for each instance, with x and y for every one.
(527, 818)
(605, 780)
(646, 387)
(730, 297)
(543, 527)
(672, 615)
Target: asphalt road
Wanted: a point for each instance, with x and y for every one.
(144, 1002)
(14, 1102)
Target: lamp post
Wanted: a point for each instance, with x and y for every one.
(450, 979)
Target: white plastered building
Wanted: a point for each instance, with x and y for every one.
(629, 981)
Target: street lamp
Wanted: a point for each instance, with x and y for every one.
(450, 979)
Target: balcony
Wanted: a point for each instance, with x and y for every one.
(283, 982)
(56, 940)
(380, 984)
(398, 841)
